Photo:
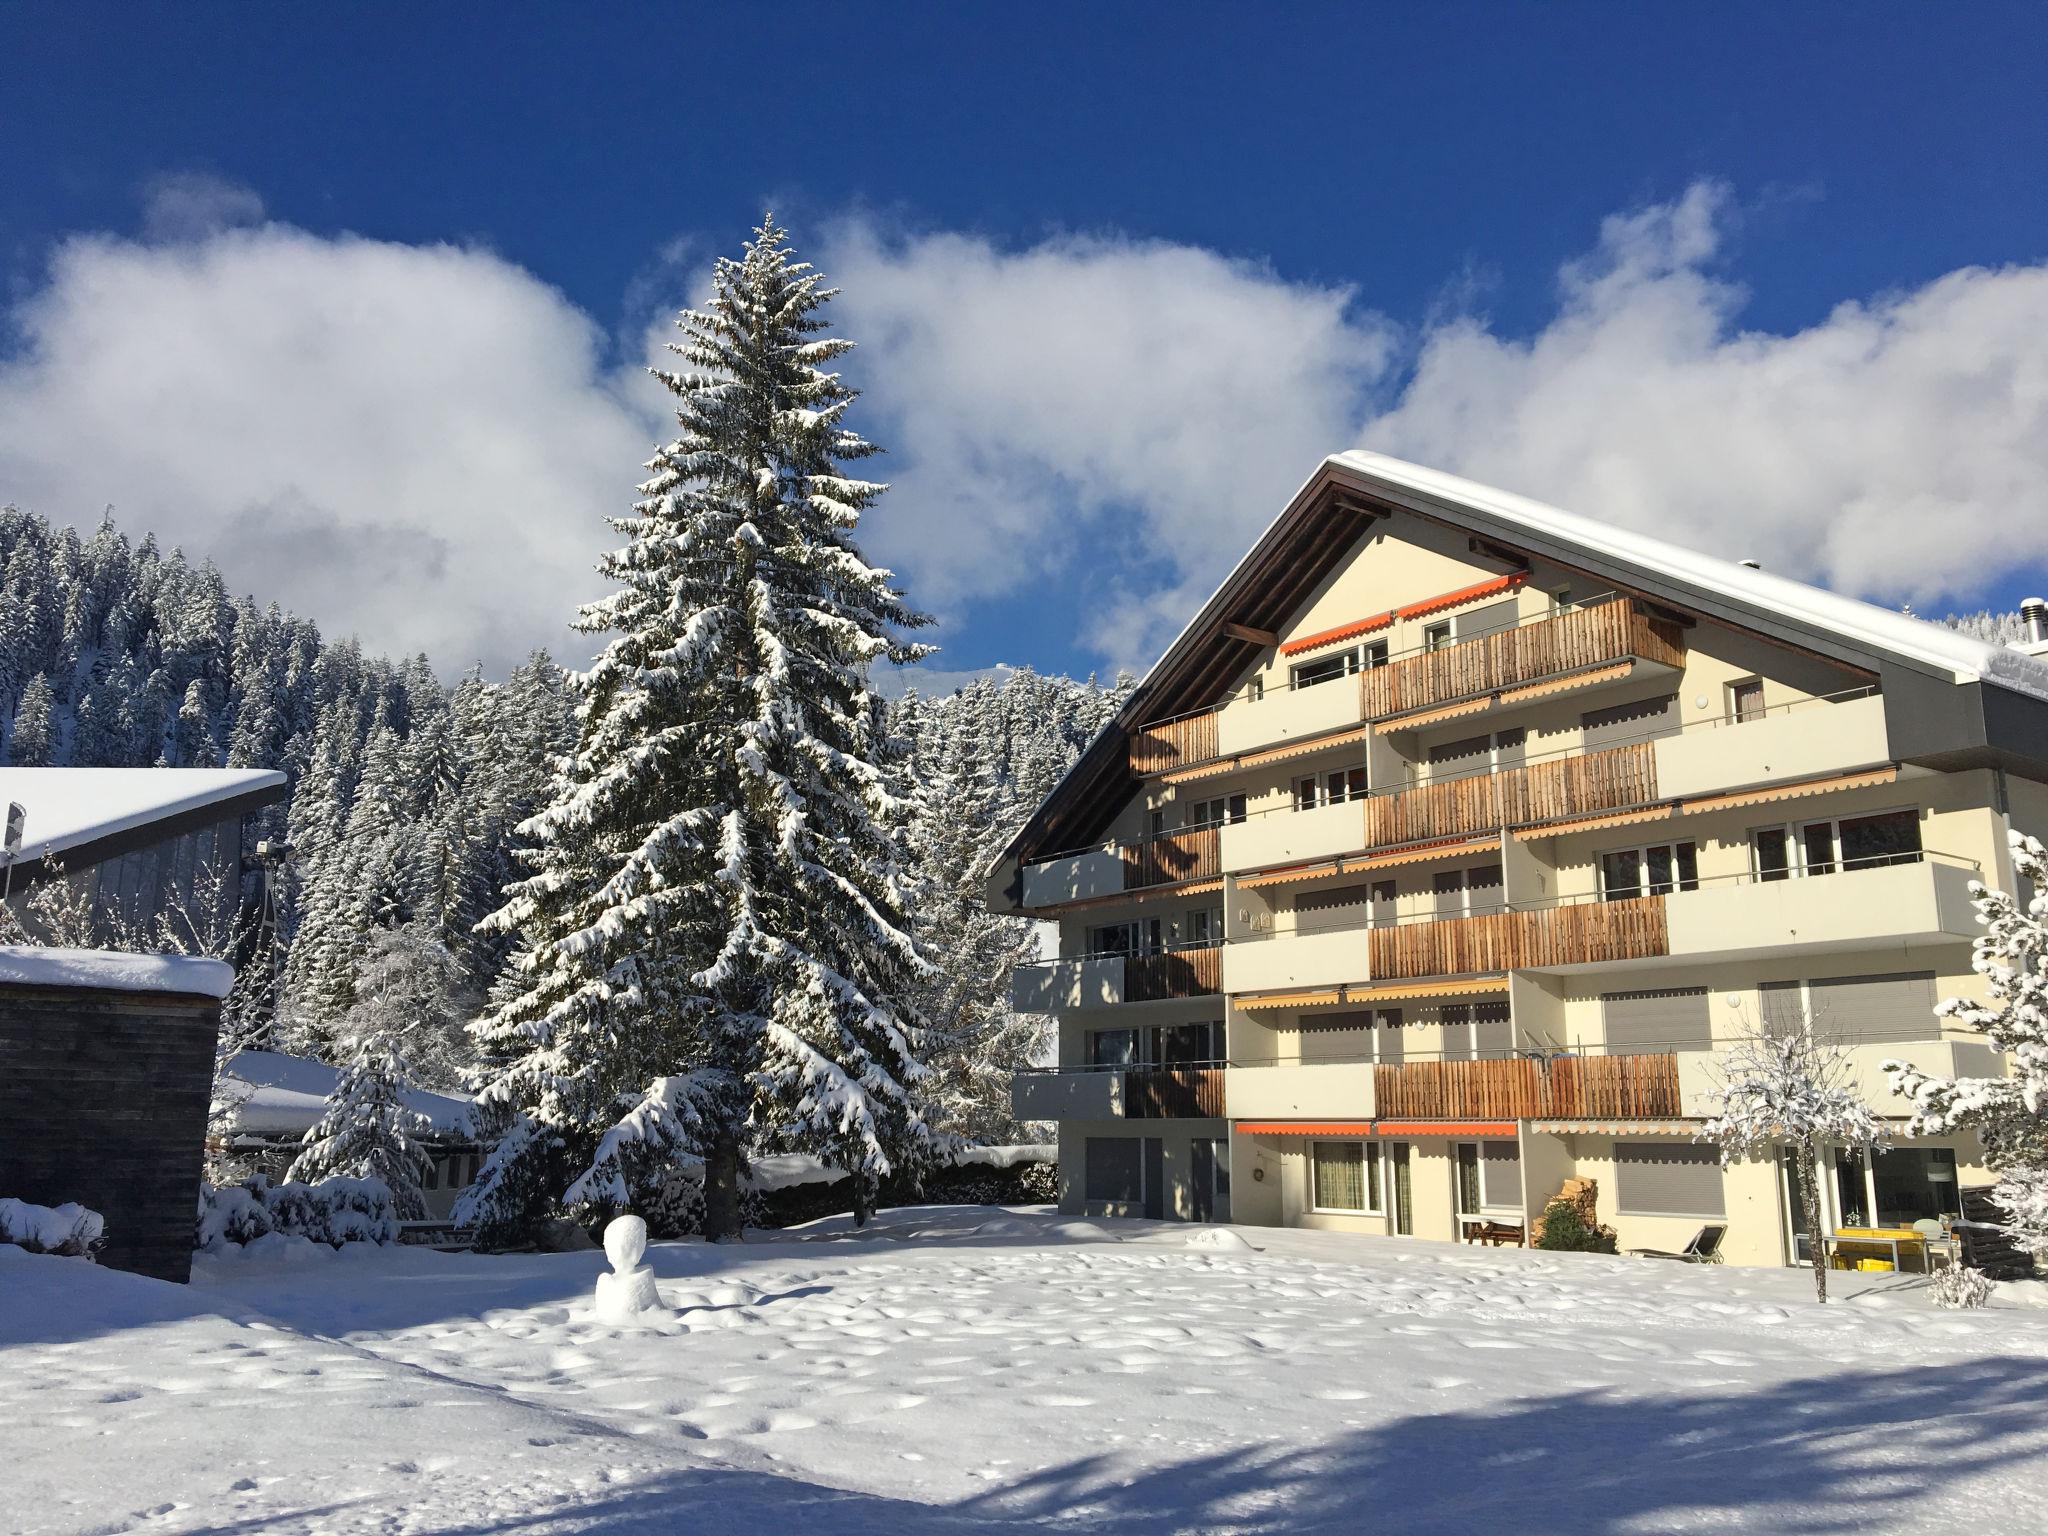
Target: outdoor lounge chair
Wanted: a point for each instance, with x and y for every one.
(1705, 1248)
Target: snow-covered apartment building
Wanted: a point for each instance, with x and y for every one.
(1443, 852)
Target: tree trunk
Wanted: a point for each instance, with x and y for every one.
(863, 1198)
(722, 1190)
(1809, 1204)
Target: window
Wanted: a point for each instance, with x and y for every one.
(1488, 620)
(1824, 847)
(1746, 700)
(1436, 636)
(1852, 1009)
(1467, 892)
(1331, 788)
(1657, 870)
(1139, 936)
(1181, 1045)
(1476, 1031)
(1344, 1175)
(1324, 669)
(1155, 823)
(1469, 1202)
(1623, 723)
(1667, 1178)
(1375, 654)
(1221, 1154)
(1115, 1170)
(1214, 813)
(1383, 905)
(1338, 906)
(1204, 926)
(1670, 1019)
(1113, 1048)
(1354, 1035)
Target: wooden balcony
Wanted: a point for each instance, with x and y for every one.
(1581, 933)
(1195, 853)
(1611, 780)
(1173, 744)
(1618, 630)
(1174, 1093)
(1565, 1088)
(1192, 972)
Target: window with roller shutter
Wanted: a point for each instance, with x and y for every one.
(1623, 723)
(1660, 1178)
(1669, 1019)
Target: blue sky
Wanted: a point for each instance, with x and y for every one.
(1550, 246)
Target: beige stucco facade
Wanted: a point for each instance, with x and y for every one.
(1706, 824)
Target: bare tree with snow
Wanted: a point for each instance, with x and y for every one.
(1787, 1089)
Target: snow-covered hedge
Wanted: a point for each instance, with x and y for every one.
(788, 1189)
(334, 1211)
(70, 1229)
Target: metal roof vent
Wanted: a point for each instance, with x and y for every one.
(2034, 613)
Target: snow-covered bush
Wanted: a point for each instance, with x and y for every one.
(69, 1229)
(1566, 1230)
(334, 1211)
(1956, 1288)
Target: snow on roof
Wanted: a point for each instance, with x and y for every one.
(286, 1095)
(67, 807)
(112, 971)
(1933, 647)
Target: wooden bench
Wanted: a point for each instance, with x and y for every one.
(1495, 1233)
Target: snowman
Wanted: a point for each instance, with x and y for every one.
(627, 1295)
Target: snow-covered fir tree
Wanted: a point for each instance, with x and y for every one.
(1789, 1090)
(367, 1130)
(2009, 1114)
(715, 953)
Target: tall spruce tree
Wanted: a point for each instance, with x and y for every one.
(715, 952)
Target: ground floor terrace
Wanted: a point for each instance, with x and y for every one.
(1657, 1184)
(968, 1370)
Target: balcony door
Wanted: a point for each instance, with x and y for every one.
(1400, 1188)
(1155, 1178)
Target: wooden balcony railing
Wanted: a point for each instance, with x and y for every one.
(1196, 972)
(1585, 637)
(1566, 1088)
(1577, 934)
(1195, 853)
(1173, 744)
(1174, 1093)
(1566, 786)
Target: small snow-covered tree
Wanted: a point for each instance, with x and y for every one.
(715, 942)
(33, 741)
(367, 1131)
(1787, 1088)
(2009, 1114)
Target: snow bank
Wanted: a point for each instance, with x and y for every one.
(112, 971)
(1007, 1157)
(69, 1229)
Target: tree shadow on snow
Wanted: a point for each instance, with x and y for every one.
(1856, 1451)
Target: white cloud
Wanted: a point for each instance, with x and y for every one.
(415, 444)
(1897, 449)
(189, 205)
(1043, 404)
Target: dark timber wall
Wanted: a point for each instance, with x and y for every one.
(103, 1101)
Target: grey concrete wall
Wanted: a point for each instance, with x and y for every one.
(103, 1101)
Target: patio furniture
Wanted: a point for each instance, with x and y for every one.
(1495, 1233)
(1705, 1248)
(1856, 1247)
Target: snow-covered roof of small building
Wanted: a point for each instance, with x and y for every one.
(69, 807)
(286, 1096)
(114, 971)
(1933, 647)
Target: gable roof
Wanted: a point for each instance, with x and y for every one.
(274, 1095)
(92, 813)
(1348, 490)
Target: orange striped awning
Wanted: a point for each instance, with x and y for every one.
(1596, 823)
(1342, 632)
(1470, 594)
(1419, 854)
(1305, 1127)
(1442, 600)
(1423, 717)
(1390, 992)
(1617, 1127)
(1443, 1127)
(1231, 764)
(1804, 787)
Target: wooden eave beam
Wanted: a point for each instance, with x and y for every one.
(1251, 636)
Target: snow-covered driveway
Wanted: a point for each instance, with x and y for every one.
(962, 1369)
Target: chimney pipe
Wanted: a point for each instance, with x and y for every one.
(2035, 614)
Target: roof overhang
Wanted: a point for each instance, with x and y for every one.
(186, 806)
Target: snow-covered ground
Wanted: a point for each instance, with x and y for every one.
(960, 1370)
